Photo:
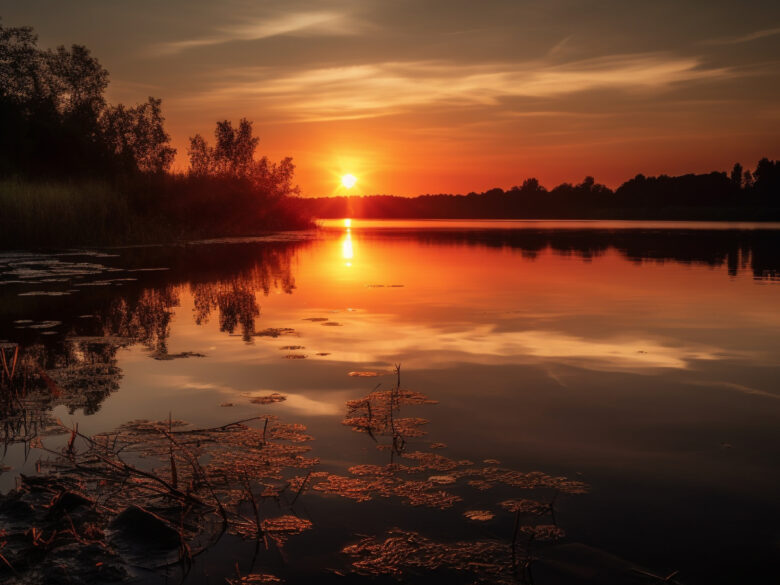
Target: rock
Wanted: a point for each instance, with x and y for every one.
(15, 508)
(138, 528)
(68, 500)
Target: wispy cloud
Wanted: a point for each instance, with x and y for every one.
(738, 388)
(300, 23)
(391, 87)
(754, 36)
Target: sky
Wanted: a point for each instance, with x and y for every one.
(447, 96)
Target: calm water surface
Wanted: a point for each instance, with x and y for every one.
(642, 359)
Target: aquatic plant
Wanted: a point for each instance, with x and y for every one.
(193, 484)
(189, 486)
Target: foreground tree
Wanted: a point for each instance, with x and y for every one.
(56, 121)
(233, 157)
(233, 154)
(137, 137)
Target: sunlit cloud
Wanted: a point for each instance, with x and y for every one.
(392, 87)
(300, 23)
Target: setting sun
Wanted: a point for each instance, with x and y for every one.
(348, 181)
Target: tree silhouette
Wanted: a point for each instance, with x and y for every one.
(137, 137)
(56, 120)
(736, 175)
(232, 156)
(766, 180)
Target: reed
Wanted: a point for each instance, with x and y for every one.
(167, 209)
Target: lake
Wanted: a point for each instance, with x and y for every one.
(562, 402)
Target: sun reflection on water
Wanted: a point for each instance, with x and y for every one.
(346, 244)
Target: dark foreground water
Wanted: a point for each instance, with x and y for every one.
(579, 402)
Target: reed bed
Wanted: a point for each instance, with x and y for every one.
(47, 213)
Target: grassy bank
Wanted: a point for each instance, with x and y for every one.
(59, 213)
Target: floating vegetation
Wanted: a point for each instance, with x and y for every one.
(164, 356)
(377, 413)
(417, 478)
(332, 324)
(364, 486)
(364, 374)
(161, 269)
(155, 494)
(315, 319)
(151, 494)
(53, 533)
(44, 293)
(273, 332)
(97, 283)
(255, 579)
(442, 479)
(291, 347)
(479, 515)
(39, 267)
(268, 399)
(403, 552)
(526, 507)
(322, 353)
(295, 356)
(543, 532)
(282, 527)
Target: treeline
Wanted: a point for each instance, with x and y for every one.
(74, 167)
(740, 194)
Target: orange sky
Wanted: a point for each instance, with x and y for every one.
(448, 96)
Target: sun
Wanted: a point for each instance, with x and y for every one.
(349, 181)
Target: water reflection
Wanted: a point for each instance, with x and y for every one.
(754, 247)
(77, 367)
(346, 247)
(644, 359)
(155, 495)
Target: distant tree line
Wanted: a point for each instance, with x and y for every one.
(741, 194)
(56, 127)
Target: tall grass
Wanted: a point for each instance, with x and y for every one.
(92, 211)
(48, 213)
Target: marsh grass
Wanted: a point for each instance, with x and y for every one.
(148, 210)
(49, 213)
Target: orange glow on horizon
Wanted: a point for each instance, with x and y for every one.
(415, 120)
